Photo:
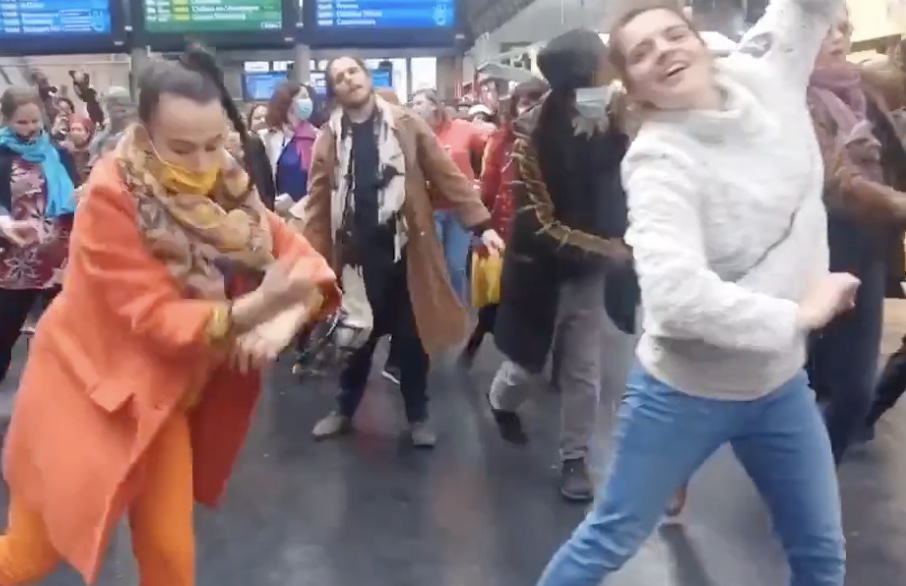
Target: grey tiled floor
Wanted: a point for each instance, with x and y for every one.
(477, 512)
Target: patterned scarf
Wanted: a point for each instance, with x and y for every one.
(838, 93)
(205, 242)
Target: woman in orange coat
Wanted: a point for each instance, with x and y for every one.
(143, 373)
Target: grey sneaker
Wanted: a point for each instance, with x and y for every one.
(422, 435)
(575, 482)
(333, 425)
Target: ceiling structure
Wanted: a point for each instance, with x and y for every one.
(527, 21)
(515, 22)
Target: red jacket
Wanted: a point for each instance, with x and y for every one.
(497, 176)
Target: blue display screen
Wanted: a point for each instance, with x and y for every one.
(54, 17)
(386, 14)
(259, 87)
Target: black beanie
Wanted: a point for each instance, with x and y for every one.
(570, 61)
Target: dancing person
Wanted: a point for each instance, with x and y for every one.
(729, 236)
(865, 166)
(120, 113)
(564, 249)
(461, 140)
(495, 181)
(370, 211)
(288, 141)
(144, 372)
(81, 131)
(37, 180)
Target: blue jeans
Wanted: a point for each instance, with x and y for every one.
(663, 436)
(455, 241)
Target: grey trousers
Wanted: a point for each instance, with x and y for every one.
(583, 332)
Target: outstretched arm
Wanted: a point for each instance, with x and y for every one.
(788, 37)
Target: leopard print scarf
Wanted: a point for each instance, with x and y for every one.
(203, 241)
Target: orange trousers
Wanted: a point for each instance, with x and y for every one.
(160, 521)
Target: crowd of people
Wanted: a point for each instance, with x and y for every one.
(740, 219)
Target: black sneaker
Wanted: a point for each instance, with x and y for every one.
(575, 482)
(509, 424)
(391, 373)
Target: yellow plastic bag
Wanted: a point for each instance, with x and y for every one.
(486, 279)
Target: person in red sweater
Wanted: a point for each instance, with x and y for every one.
(497, 176)
(462, 140)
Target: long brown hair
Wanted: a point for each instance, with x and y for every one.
(280, 102)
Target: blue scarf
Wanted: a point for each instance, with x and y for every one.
(41, 151)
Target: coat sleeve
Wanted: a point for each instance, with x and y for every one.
(491, 171)
(788, 37)
(536, 214)
(289, 245)
(451, 186)
(316, 210)
(138, 288)
(845, 188)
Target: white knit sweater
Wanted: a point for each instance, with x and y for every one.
(711, 193)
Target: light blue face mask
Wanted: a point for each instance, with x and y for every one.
(592, 102)
(304, 108)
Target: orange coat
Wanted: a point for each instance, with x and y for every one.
(111, 360)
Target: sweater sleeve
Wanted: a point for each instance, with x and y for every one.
(788, 37)
(682, 297)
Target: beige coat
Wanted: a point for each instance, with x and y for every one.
(440, 318)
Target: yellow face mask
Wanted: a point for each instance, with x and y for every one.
(178, 179)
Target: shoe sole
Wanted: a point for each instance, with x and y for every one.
(577, 498)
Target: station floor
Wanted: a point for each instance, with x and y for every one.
(478, 512)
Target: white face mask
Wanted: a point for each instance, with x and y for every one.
(592, 102)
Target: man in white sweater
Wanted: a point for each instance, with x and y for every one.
(729, 238)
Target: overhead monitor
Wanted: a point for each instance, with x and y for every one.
(167, 25)
(36, 27)
(259, 87)
(385, 14)
(50, 18)
(212, 16)
(381, 23)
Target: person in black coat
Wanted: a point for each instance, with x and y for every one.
(565, 261)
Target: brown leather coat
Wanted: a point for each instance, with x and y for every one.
(881, 203)
(441, 320)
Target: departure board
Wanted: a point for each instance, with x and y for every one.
(386, 14)
(54, 17)
(212, 16)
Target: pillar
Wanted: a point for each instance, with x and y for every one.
(302, 66)
(410, 87)
(448, 76)
(139, 60)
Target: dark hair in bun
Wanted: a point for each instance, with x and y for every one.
(194, 75)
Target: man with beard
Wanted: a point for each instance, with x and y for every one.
(370, 212)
